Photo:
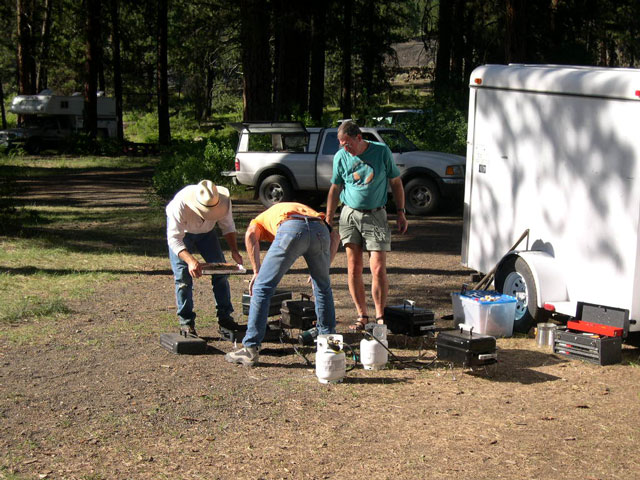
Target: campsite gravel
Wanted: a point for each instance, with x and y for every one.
(96, 397)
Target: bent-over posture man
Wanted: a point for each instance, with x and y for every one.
(295, 230)
(191, 218)
(361, 172)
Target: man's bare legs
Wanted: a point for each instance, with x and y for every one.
(379, 282)
(354, 278)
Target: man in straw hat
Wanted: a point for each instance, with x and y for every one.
(191, 217)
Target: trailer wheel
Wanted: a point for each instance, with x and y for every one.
(421, 196)
(275, 189)
(514, 278)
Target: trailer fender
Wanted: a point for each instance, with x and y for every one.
(550, 284)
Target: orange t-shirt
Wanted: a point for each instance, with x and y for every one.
(269, 220)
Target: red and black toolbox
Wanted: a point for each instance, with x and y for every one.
(466, 348)
(274, 305)
(298, 313)
(595, 335)
(407, 319)
(183, 344)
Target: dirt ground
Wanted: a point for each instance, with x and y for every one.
(98, 398)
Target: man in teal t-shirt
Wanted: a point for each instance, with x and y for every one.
(362, 171)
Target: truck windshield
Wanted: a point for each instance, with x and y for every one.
(397, 141)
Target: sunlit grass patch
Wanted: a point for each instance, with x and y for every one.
(33, 308)
(32, 166)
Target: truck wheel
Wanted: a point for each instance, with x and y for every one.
(275, 189)
(421, 196)
(515, 278)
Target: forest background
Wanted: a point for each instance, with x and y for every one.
(181, 70)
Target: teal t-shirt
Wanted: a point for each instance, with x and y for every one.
(364, 177)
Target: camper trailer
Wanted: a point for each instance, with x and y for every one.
(48, 119)
(555, 150)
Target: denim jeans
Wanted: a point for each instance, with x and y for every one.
(209, 247)
(294, 238)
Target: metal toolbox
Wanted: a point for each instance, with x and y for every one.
(603, 315)
(183, 344)
(466, 348)
(407, 319)
(591, 347)
(274, 305)
(298, 313)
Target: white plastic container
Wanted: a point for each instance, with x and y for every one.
(458, 312)
(373, 354)
(331, 362)
(489, 313)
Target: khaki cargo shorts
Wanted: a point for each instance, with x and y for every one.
(370, 230)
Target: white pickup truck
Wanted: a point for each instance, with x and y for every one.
(281, 159)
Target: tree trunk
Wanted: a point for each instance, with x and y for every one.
(515, 31)
(457, 45)
(368, 55)
(117, 73)
(318, 48)
(2, 112)
(292, 60)
(443, 56)
(164, 133)
(41, 77)
(91, 66)
(345, 106)
(209, 93)
(25, 54)
(256, 60)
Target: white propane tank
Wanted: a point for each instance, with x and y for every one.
(331, 362)
(373, 355)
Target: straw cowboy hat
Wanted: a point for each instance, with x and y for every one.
(207, 200)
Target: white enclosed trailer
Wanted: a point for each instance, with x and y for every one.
(556, 150)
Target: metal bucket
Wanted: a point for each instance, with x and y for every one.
(545, 334)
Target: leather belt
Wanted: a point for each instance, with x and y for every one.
(304, 218)
(362, 210)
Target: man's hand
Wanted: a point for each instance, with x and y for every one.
(195, 270)
(403, 224)
(237, 258)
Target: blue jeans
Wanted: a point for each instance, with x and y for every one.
(209, 247)
(294, 238)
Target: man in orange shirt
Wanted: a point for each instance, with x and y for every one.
(295, 230)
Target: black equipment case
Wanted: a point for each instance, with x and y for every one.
(183, 343)
(591, 347)
(274, 305)
(407, 319)
(466, 348)
(298, 313)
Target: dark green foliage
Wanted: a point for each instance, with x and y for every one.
(188, 162)
(442, 128)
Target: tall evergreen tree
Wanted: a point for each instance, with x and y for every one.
(117, 74)
(93, 63)
(164, 132)
(256, 60)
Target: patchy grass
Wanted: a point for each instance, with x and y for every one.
(37, 166)
(63, 252)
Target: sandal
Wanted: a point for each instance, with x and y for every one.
(359, 324)
(380, 320)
